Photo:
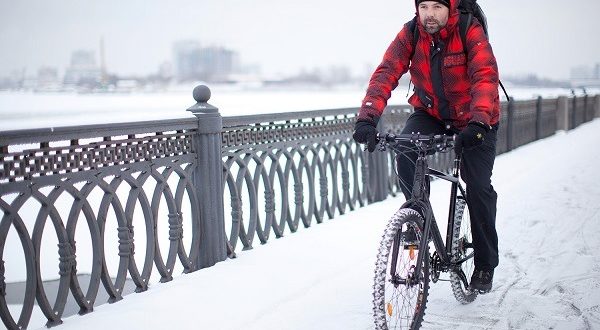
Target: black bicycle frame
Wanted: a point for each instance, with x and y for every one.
(420, 200)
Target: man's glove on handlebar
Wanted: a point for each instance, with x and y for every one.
(366, 132)
(470, 137)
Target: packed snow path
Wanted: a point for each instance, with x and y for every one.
(320, 278)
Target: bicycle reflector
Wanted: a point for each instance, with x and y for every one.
(390, 309)
(411, 252)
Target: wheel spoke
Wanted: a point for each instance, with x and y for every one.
(404, 292)
(462, 254)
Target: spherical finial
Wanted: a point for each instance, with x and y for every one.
(201, 94)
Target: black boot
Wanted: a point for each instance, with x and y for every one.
(481, 281)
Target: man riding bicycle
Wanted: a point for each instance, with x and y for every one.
(456, 92)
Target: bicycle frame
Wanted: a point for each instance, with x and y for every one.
(420, 200)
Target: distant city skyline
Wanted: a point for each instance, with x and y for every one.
(539, 37)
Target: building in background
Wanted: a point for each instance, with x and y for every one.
(83, 70)
(585, 76)
(212, 64)
(13, 81)
(47, 79)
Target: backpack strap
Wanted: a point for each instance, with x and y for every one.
(464, 23)
(504, 90)
(412, 25)
(463, 27)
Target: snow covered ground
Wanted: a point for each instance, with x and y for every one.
(320, 278)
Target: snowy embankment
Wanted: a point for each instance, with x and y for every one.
(320, 278)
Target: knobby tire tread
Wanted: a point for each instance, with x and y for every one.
(462, 294)
(395, 224)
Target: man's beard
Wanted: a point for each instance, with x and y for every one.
(431, 29)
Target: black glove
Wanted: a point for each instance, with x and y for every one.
(366, 132)
(470, 137)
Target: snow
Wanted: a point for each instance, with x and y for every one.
(33, 110)
(320, 278)
(22, 110)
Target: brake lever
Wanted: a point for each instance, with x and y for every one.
(383, 140)
(382, 145)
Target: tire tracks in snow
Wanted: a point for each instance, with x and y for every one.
(447, 322)
(580, 314)
(519, 276)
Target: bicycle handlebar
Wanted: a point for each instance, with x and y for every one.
(439, 142)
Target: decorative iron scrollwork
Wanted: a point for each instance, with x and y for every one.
(175, 226)
(67, 261)
(301, 129)
(48, 160)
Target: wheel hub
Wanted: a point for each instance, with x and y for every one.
(436, 267)
(409, 281)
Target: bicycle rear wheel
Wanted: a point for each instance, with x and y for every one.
(462, 249)
(399, 294)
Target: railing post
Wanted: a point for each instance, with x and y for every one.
(208, 178)
(562, 115)
(378, 173)
(597, 106)
(538, 118)
(510, 124)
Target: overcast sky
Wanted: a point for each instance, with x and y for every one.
(545, 37)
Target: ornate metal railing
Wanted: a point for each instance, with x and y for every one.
(547, 114)
(286, 170)
(205, 187)
(524, 120)
(582, 109)
(77, 165)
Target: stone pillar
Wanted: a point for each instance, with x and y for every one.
(562, 114)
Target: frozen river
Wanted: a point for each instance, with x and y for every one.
(20, 110)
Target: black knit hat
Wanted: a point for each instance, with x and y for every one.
(443, 2)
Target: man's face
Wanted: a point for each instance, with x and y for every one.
(433, 15)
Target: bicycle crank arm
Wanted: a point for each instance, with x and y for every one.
(467, 257)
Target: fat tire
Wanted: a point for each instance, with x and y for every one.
(401, 217)
(461, 218)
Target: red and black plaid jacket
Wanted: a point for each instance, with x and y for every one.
(469, 81)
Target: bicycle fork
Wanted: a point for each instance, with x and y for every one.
(420, 200)
(455, 264)
(413, 277)
(452, 211)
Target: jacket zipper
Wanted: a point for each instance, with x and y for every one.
(438, 84)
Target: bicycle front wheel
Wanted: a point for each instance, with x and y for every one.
(462, 251)
(399, 293)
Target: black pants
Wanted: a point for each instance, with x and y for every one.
(476, 171)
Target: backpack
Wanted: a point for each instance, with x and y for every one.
(468, 9)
